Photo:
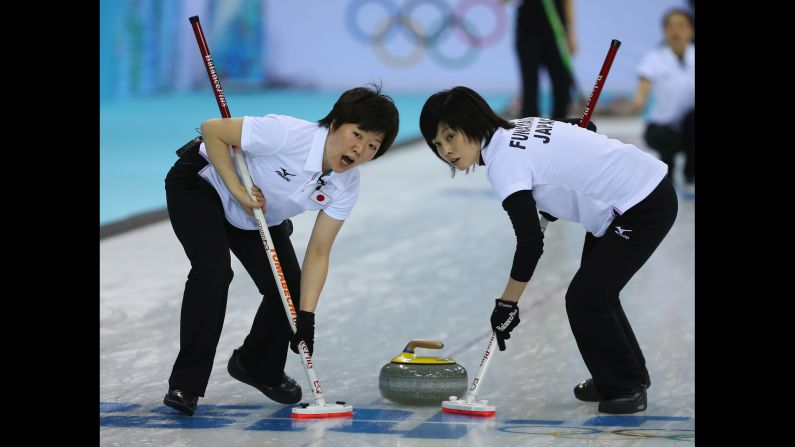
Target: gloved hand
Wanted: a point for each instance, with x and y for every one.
(504, 318)
(305, 331)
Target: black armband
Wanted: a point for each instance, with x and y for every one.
(521, 208)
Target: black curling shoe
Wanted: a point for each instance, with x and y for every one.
(285, 392)
(586, 390)
(183, 401)
(630, 403)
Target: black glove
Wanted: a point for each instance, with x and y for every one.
(504, 318)
(305, 332)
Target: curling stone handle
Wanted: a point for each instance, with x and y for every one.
(428, 344)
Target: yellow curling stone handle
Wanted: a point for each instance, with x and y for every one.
(408, 356)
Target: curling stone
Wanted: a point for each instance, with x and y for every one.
(415, 380)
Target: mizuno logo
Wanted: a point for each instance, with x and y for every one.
(284, 174)
(620, 231)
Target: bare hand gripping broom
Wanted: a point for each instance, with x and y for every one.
(320, 409)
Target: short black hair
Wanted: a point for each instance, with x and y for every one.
(369, 109)
(463, 110)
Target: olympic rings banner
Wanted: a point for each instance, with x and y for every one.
(451, 35)
(406, 44)
(422, 45)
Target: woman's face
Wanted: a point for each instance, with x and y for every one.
(678, 32)
(348, 146)
(455, 148)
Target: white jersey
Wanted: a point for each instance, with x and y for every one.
(574, 174)
(673, 83)
(284, 157)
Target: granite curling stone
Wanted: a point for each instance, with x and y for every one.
(416, 380)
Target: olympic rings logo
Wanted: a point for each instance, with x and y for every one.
(431, 32)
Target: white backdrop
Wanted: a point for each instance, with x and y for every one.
(315, 42)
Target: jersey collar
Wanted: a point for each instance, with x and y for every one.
(314, 163)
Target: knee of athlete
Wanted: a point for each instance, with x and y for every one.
(215, 275)
(583, 298)
(576, 294)
(587, 306)
(226, 276)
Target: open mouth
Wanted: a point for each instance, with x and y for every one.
(346, 161)
(455, 161)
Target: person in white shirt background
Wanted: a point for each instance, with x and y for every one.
(668, 73)
(296, 166)
(620, 194)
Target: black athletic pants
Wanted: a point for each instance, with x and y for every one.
(197, 217)
(601, 329)
(535, 50)
(668, 141)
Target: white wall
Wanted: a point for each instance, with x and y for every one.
(309, 42)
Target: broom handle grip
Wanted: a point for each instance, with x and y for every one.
(428, 344)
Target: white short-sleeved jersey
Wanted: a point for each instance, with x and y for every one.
(673, 83)
(285, 157)
(574, 174)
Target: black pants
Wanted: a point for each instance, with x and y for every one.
(534, 51)
(197, 217)
(668, 141)
(601, 329)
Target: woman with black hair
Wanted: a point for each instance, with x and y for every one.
(621, 196)
(668, 73)
(296, 166)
